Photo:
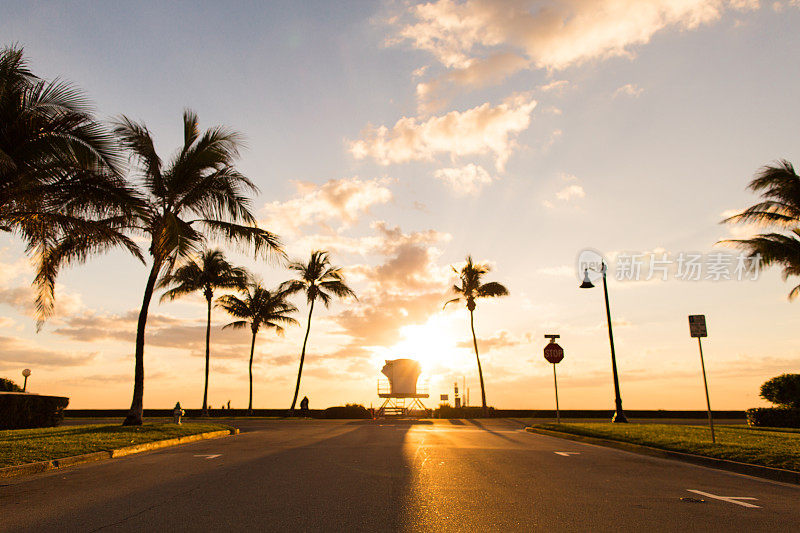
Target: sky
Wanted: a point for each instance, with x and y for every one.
(403, 137)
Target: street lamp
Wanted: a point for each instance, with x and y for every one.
(619, 416)
(25, 374)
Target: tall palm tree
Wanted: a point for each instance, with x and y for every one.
(318, 280)
(198, 194)
(59, 174)
(256, 308)
(779, 187)
(211, 272)
(472, 288)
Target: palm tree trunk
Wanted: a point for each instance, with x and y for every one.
(135, 413)
(252, 347)
(208, 346)
(302, 358)
(480, 371)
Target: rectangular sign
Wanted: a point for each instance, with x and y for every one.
(443, 397)
(697, 326)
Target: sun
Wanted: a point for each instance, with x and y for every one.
(434, 344)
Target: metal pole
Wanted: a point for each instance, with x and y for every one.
(555, 381)
(705, 384)
(25, 384)
(619, 416)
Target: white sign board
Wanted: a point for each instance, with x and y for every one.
(697, 326)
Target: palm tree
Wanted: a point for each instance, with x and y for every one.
(318, 279)
(779, 187)
(258, 307)
(211, 272)
(59, 174)
(198, 193)
(470, 289)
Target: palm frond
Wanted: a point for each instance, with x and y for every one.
(491, 290)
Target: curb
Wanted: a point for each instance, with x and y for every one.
(54, 464)
(767, 472)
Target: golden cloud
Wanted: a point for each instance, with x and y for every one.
(482, 130)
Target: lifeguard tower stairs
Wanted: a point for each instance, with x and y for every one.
(400, 393)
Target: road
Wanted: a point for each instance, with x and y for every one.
(442, 475)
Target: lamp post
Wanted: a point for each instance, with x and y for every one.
(619, 416)
(25, 374)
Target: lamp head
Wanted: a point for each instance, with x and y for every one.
(587, 283)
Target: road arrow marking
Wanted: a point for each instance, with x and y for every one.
(729, 499)
(209, 456)
(567, 454)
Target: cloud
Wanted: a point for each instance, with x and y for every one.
(502, 339)
(162, 330)
(482, 42)
(569, 192)
(745, 230)
(338, 201)
(629, 89)
(467, 180)
(22, 298)
(492, 71)
(557, 86)
(20, 352)
(480, 130)
(406, 287)
(410, 260)
(551, 34)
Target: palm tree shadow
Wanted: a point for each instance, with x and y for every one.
(495, 433)
(357, 478)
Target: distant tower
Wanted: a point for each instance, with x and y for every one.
(456, 397)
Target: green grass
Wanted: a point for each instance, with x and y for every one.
(778, 448)
(21, 446)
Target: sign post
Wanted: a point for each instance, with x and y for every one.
(554, 354)
(25, 374)
(697, 328)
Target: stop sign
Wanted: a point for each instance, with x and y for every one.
(553, 353)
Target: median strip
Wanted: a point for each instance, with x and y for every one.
(28, 452)
(773, 454)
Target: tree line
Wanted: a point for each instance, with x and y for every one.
(72, 187)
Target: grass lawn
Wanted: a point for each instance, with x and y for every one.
(779, 448)
(19, 446)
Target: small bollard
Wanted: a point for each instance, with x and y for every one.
(177, 413)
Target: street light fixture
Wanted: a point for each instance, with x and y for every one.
(25, 374)
(619, 416)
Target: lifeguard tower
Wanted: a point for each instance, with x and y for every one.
(400, 392)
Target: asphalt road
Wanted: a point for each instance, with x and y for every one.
(441, 475)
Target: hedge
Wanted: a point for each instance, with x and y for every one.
(445, 411)
(776, 417)
(21, 411)
(347, 411)
(6, 385)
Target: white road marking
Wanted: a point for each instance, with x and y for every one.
(567, 454)
(729, 499)
(211, 456)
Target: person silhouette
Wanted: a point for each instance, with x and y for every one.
(304, 406)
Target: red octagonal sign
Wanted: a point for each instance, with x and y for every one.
(553, 353)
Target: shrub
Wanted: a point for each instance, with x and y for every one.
(351, 410)
(783, 390)
(20, 411)
(775, 417)
(6, 385)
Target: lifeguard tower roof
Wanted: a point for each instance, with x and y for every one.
(403, 375)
